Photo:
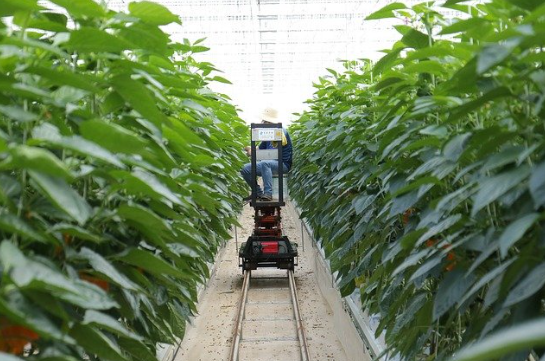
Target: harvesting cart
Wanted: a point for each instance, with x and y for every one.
(267, 246)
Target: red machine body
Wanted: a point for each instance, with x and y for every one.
(270, 247)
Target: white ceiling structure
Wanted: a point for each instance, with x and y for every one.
(272, 50)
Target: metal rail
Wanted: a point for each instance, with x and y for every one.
(237, 333)
(297, 314)
(237, 329)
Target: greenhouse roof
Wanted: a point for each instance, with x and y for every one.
(272, 50)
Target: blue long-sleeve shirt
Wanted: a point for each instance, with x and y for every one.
(287, 150)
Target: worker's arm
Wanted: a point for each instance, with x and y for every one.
(262, 145)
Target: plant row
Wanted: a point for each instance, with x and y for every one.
(118, 179)
(423, 177)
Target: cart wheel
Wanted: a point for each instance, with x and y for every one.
(246, 266)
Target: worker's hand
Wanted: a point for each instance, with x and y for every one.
(248, 150)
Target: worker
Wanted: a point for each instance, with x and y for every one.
(266, 168)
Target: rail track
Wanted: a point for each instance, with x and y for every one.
(268, 324)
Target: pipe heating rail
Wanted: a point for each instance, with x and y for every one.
(237, 333)
(237, 330)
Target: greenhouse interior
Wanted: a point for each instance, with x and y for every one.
(272, 180)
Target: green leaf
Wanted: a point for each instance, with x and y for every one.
(388, 82)
(139, 97)
(183, 134)
(425, 268)
(51, 135)
(348, 288)
(95, 342)
(49, 22)
(21, 310)
(12, 224)
(151, 263)
(112, 102)
(439, 227)
(537, 185)
(451, 200)
(81, 8)
(17, 113)
(527, 286)
(101, 265)
(456, 146)
(104, 321)
(361, 203)
(402, 203)
(435, 130)
(67, 95)
(10, 7)
(506, 156)
(386, 61)
(515, 231)
(137, 349)
(199, 49)
(141, 183)
(36, 44)
(494, 187)
(409, 240)
(463, 25)
(410, 261)
(463, 81)
(494, 54)
(475, 104)
(416, 39)
(415, 185)
(34, 275)
(78, 232)
(535, 14)
(177, 82)
(195, 106)
(524, 336)
(63, 196)
(10, 255)
(10, 188)
(451, 289)
(156, 185)
(93, 40)
(221, 80)
(527, 4)
(484, 280)
(449, 3)
(428, 66)
(72, 79)
(113, 137)
(148, 37)
(148, 223)
(438, 50)
(87, 148)
(36, 159)
(386, 12)
(153, 13)
(162, 62)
